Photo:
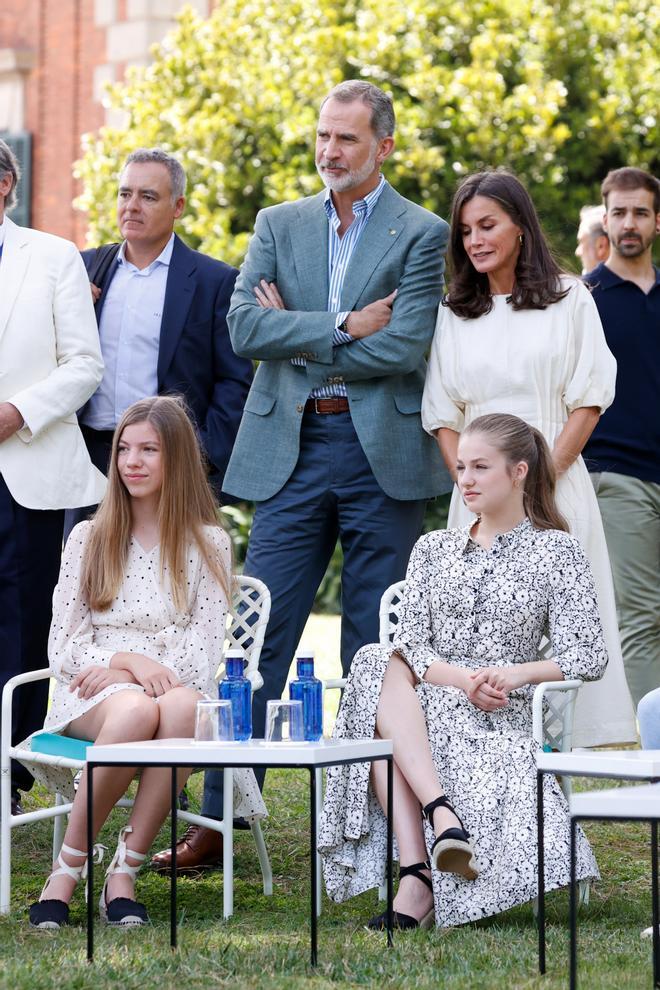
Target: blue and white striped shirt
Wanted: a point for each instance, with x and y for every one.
(340, 251)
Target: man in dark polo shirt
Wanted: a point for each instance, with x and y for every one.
(623, 453)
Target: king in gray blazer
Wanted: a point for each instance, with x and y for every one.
(331, 443)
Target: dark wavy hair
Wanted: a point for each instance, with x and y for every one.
(537, 273)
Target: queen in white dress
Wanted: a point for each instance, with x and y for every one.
(516, 336)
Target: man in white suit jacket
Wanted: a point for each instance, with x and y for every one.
(50, 363)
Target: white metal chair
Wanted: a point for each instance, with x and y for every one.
(553, 704)
(246, 627)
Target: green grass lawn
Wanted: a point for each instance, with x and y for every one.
(266, 943)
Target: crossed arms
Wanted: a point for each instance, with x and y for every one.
(263, 330)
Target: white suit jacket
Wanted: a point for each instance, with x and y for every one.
(50, 363)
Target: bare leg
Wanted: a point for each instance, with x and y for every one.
(412, 897)
(401, 719)
(152, 801)
(123, 717)
(416, 783)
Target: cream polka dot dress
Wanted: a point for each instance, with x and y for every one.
(142, 619)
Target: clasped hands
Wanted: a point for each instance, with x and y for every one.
(125, 668)
(489, 688)
(360, 323)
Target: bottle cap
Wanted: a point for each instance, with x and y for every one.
(303, 653)
(235, 662)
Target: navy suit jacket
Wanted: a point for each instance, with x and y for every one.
(195, 356)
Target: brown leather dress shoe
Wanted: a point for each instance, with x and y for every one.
(199, 847)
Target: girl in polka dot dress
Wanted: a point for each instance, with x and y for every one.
(139, 616)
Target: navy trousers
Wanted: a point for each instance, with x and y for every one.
(30, 550)
(332, 494)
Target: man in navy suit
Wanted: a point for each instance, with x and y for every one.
(161, 310)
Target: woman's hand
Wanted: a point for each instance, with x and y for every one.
(484, 696)
(576, 431)
(489, 688)
(447, 441)
(154, 677)
(505, 679)
(93, 680)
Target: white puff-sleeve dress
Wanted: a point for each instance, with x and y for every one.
(540, 365)
(144, 619)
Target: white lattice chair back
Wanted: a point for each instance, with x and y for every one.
(554, 701)
(246, 625)
(390, 607)
(554, 709)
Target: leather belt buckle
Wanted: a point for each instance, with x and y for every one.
(328, 405)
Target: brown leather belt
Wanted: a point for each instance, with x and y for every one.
(324, 407)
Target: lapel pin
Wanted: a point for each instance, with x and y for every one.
(392, 231)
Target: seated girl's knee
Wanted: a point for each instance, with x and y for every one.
(134, 709)
(179, 698)
(398, 668)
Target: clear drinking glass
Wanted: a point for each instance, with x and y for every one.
(284, 721)
(214, 722)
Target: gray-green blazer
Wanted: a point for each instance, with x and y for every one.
(402, 247)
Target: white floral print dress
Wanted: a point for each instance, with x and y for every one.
(472, 607)
(142, 619)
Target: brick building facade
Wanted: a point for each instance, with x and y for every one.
(55, 56)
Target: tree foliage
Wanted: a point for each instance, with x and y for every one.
(559, 92)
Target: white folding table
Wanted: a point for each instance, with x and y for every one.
(615, 764)
(624, 804)
(176, 753)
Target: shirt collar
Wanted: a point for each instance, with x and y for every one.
(510, 538)
(360, 206)
(163, 258)
(2, 231)
(605, 278)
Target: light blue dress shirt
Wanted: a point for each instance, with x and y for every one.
(340, 251)
(130, 338)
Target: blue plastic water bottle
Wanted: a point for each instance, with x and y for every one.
(309, 690)
(236, 688)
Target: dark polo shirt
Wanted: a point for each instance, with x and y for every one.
(627, 437)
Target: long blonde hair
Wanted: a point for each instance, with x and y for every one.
(519, 441)
(185, 506)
